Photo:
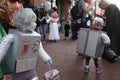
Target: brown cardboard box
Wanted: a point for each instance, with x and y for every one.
(53, 74)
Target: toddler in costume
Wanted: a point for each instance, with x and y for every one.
(97, 25)
(25, 45)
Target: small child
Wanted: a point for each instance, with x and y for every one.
(67, 28)
(97, 25)
(22, 67)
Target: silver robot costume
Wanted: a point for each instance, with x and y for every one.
(23, 43)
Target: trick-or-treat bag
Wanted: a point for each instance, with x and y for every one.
(52, 74)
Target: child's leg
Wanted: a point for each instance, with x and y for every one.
(26, 75)
(87, 61)
(87, 64)
(96, 61)
(65, 33)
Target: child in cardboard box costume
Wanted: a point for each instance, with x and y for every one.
(24, 46)
(91, 43)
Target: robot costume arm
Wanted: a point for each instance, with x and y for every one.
(105, 39)
(44, 56)
(5, 44)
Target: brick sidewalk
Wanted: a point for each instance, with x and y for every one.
(71, 66)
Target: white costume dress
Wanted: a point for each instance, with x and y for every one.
(54, 31)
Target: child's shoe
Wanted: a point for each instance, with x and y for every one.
(98, 70)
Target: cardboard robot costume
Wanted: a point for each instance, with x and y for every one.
(24, 43)
(91, 42)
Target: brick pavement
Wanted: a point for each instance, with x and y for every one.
(71, 66)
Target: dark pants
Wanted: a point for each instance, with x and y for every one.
(41, 29)
(66, 32)
(96, 62)
(26, 75)
(74, 32)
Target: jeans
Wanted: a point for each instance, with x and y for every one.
(42, 30)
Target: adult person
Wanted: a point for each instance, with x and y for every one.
(112, 27)
(78, 15)
(43, 24)
(75, 15)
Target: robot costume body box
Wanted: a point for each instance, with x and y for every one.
(90, 43)
(24, 51)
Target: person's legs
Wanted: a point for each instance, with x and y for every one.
(37, 29)
(87, 61)
(87, 64)
(66, 33)
(42, 32)
(74, 32)
(96, 62)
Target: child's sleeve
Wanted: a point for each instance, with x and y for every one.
(5, 44)
(105, 39)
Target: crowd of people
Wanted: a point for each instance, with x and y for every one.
(109, 23)
(81, 17)
(44, 19)
(22, 15)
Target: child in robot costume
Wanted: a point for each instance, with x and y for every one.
(25, 21)
(97, 25)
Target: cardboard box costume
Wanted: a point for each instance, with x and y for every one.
(24, 44)
(90, 43)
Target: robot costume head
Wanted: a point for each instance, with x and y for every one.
(98, 22)
(25, 20)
